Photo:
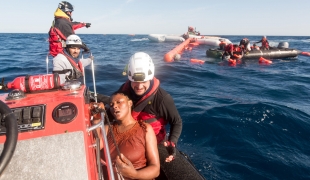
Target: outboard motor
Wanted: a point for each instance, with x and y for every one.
(283, 45)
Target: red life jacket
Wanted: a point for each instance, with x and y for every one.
(157, 123)
(229, 47)
(56, 39)
(77, 68)
(265, 44)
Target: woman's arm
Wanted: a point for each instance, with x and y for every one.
(152, 169)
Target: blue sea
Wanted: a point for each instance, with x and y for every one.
(249, 121)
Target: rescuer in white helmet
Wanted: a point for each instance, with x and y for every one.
(67, 63)
(155, 106)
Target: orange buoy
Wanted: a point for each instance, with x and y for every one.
(305, 53)
(169, 57)
(197, 61)
(232, 62)
(264, 61)
(194, 44)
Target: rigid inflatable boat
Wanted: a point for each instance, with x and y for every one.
(207, 40)
(46, 131)
(165, 38)
(279, 52)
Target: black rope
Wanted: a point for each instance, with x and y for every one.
(113, 137)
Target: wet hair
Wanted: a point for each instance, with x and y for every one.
(124, 93)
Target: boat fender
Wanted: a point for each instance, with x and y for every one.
(283, 45)
(35, 82)
(9, 119)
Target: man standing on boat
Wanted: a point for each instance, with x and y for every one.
(67, 63)
(155, 106)
(62, 27)
(265, 43)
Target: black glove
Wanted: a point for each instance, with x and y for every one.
(171, 148)
(86, 49)
(87, 25)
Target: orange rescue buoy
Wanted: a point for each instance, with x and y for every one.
(197, 61)
(264, 61)
(232, 62)
(169, 57)
(305, 53)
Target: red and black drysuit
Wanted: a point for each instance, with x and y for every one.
(61, 28)
(157, 108)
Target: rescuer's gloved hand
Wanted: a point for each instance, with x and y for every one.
(87, 25)
(171, 150)
(86, 49)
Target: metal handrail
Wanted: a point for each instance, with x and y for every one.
(105, 145)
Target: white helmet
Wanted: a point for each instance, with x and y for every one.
(140, 67)
(74, 40)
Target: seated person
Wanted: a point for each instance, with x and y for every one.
(265, 43)
(255, 47)
(136, 141)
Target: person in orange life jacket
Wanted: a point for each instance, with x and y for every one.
(155, 106)
(228, 51)
(136, 140)
(255, 47)
(245, 45)
(67, 64)
(265, 43)
(222, 44)
(62, 27)
(237, 53)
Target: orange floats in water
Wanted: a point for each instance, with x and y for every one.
(169, 57)
(194, 44)
(197, 61)
(232, 62)
(264, 61)
(305, 53)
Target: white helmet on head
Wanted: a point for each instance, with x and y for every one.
(140, 67)
(74, 40)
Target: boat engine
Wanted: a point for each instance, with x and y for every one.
(283, 45)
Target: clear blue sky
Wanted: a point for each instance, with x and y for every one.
(225, 17)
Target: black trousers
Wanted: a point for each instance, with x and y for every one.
(178, 169)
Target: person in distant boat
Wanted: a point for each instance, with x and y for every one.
(265, 43)
(155, 106)
(191, 30)
(67, 63)
(222, 44)
(228, 51)
(62, 27)
(245, 45)
(255, 47)
(232, 52)
(136, 141)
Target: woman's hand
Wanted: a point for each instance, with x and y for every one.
(125, 167)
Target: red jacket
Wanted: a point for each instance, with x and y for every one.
(61, 28)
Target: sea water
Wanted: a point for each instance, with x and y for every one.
(248, 121)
